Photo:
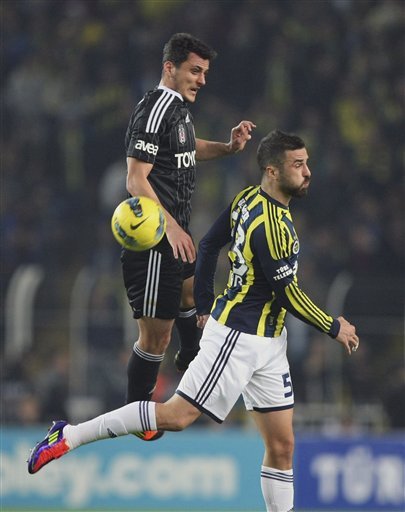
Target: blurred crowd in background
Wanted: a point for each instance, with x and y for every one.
(331, 71)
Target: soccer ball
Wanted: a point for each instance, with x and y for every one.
(138, 223)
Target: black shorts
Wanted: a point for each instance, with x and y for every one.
(153, 280)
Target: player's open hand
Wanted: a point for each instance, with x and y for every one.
(240, 135)
(181, 242)
(347, 336)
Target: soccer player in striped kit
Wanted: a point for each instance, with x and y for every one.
(162, 151)
(244, 342)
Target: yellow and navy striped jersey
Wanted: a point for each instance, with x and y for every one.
(262, 284)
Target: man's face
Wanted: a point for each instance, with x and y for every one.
(189, 77)
(295, 175)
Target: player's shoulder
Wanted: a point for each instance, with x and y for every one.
(148, 99)
(158, 98)
(164, 97)
(155, 109)
(244, 195)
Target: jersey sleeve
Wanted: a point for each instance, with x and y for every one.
(280, 272)
(143, 134)
(208, 252)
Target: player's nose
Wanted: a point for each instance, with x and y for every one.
(201, 79)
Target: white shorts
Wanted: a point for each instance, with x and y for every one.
(231, 363)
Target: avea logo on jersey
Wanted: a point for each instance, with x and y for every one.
(146, 146)
(186, 159)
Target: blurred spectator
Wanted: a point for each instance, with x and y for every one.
(53, 387)
(394, 397)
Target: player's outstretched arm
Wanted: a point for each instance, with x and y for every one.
(347, 335)
(207, 149)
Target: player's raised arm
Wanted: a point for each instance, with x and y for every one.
(208, 150)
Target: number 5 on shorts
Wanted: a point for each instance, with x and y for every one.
(287, 384)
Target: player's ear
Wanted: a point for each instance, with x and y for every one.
(272, 172)
(169, 68)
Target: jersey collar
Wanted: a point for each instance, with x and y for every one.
(171, 91)
(272, 200)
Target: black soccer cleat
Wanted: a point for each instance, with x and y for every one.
(181, 363)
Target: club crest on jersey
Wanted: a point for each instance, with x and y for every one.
(182, 134)
(296, 247)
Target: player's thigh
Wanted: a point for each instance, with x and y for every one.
(219, 373)
(270, 388)
(154, 334)
(276, 424)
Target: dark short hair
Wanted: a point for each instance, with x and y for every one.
(179, 46)
(272, 147)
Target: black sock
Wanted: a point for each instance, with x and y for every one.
(189, 333)
(142, 371)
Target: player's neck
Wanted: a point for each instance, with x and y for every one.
(163, 85)
(276, 194)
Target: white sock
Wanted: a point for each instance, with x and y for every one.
(134, 417)
(278, 489)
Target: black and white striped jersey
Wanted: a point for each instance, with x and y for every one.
(161, 132)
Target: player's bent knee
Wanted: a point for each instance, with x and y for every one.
(176, 414)
(179, 424)
(154, 342)
(181, 420)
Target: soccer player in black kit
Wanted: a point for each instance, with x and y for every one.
(162, 151)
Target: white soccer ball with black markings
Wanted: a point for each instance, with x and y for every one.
(138, 223)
